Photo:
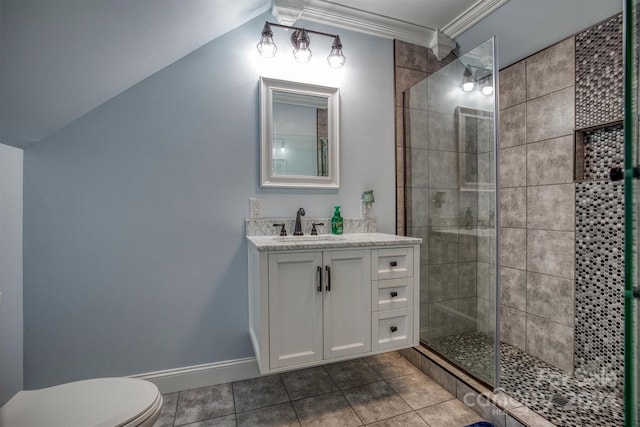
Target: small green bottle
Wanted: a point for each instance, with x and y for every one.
(337, 223)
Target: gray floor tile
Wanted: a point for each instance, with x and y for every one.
(168, 413)
(326, 410)
(226, 421)
(391, 365)
(419, 390)
(410, 419)
(375, 402)
(308, 382)
(352, 373)
(281, 415)
(451, 413)
(259, 392)
(203, 403)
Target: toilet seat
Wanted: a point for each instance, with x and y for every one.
(101, 402)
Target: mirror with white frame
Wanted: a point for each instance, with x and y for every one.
(299, 126)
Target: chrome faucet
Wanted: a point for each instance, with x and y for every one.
(297, 231)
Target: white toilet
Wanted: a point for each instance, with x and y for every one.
(101, 402)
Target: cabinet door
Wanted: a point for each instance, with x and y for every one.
(295, 309)
(347, 303)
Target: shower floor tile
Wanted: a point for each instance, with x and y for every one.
(556, 395)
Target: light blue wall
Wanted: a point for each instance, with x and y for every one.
(11, 327)
(524, 27)
(135, 256)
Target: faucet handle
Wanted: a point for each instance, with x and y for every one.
(314, 232)
(283, 231)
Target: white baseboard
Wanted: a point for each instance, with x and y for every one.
(172, 380)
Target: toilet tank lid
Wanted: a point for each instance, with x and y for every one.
(97, 402)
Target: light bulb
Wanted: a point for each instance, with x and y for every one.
(266, 46)
(302, 55)
(487, 90)
(300, 40)
(336, 58)
(468, 86)
(468, 81)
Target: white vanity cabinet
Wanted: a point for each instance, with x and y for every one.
(392, 319)
(309, 306)
(319, 306)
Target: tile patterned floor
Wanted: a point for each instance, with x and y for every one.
(385, 390)
(563, 399)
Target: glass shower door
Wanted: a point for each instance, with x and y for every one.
(451, 203)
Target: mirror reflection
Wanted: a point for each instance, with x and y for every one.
(300, 135)
(475, 147)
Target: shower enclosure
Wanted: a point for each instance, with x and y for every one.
(562, 335)
(451, 203)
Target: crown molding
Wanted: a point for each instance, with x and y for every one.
(341, 16)
(471, 16)
(365, 22)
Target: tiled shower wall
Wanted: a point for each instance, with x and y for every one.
(432, 195)
(599, 352)
(561, 249)
(412, 64)
(537, 206)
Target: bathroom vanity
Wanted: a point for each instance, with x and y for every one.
(326, 298)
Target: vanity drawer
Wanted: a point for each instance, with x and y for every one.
(391, 294)
(392, 263)
(392, 328)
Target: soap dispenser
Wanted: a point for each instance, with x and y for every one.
(337, 223)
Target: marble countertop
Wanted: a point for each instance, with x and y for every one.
(329, 241)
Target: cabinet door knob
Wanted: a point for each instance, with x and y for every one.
(394, 328)
(393, 263)
(394, 294)
(319, 288)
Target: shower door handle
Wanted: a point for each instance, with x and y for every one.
(617, 173)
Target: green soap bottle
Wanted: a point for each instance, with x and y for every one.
(337, 223)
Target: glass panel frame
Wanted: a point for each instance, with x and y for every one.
(631, 200)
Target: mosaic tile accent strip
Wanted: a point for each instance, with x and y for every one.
(563, 399)
(599, 74)
(599, 324)
(603, 149)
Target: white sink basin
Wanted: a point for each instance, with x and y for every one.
(309, 238)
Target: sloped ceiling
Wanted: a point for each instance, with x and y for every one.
(60, 59)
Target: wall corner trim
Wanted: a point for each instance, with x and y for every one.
(179, 379)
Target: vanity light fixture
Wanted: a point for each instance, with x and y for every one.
(481, 79)
(300, 41)
(266, 46)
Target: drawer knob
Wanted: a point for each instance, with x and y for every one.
(393, 263)
(394, 294)
(394, 328)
